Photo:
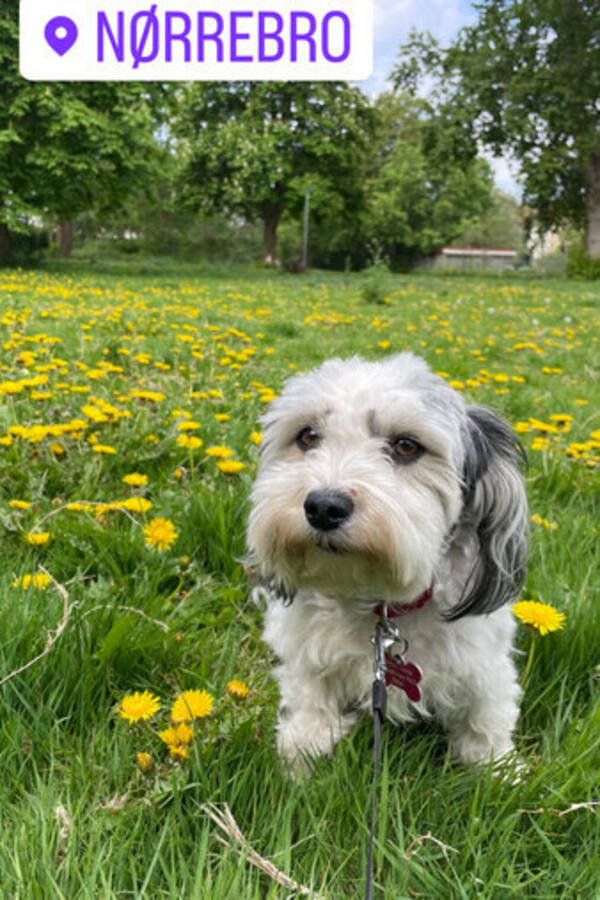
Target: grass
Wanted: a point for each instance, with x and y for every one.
(78, 818)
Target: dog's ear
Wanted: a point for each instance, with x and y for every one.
(495, 509)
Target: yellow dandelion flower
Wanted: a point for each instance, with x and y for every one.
(160, 533)
(222, 417)
(219, 451)
(538, 520)
(37, 538)
(237, 689)
(138, 706)
(539, 615)
(178, 734)
(145, 762)
(41, 581)
(134, 504)
(23, 582)
(230, 466)
(103, 448)
(189, 441)
(188, 426)
(135, 479)
(256, 438)
(192, 705)
(19, 504)
(178, 752)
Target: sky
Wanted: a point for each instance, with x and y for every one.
(394, 20)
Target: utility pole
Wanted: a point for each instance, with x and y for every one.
(305, 241)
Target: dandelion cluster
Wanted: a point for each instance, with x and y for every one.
(187, 714)
(130, 433)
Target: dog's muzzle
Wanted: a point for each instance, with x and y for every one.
(327, 509)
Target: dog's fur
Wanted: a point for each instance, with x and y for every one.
(454, 517)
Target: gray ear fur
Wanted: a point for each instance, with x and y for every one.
(495, 508)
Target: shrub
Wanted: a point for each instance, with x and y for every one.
(581, 265)
(375, 282)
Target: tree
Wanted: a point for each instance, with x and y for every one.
(250, 147)
(420, 196)
(67, 148)
(525, 79)
(502, 225)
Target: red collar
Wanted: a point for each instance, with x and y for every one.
(393, 610)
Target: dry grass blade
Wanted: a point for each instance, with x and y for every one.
(52, 636)
(223, 817)
(415, 844)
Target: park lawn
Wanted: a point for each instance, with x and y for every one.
(109, 372)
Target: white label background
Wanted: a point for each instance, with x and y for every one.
(39, 62)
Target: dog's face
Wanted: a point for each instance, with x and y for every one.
(364, 474)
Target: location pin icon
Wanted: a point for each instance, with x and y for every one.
(61, 33)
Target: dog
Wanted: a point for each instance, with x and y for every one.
(380, 491)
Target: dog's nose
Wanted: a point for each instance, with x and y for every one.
(326, 510)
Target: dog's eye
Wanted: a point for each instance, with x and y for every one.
(307, 439)
(405, 449)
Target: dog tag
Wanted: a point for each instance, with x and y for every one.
(403, 675)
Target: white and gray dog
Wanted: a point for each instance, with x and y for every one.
(380, 489)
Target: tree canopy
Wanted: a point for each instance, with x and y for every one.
(67, 148)
(525, 79)
(419, 195)
(250, 147)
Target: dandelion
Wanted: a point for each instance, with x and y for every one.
(219, 452)
(230, 466)
(160, 533)
(189, 441)
(40, 581)
(256, 438)
(138, 706)
(538, 520)
(176, 735)
(177, 751)
(192, 705)
(145, 762)
(37, 538)
(135, 479)
(237, 689)
(103, 448)
(542, 616)
(133, 504)
(19, 504)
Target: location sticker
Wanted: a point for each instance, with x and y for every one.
(61, 33)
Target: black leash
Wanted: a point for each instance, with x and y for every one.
(379, 698)
(385, 636)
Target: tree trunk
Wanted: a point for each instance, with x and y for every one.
(4, 243)
(65, 237)
(592, 202)
(271, 218)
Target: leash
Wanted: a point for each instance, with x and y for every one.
(378, 700)
(389, 669)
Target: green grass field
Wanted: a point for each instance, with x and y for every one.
(105, 373)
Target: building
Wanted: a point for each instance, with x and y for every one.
(467, 258)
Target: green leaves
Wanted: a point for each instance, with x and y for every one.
(524, 79)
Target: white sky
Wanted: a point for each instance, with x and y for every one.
(394, 20)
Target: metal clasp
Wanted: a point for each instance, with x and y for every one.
(386, 636)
